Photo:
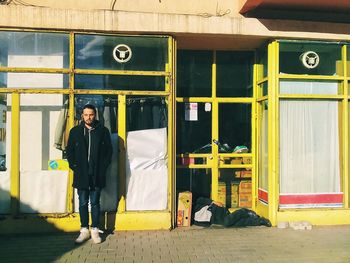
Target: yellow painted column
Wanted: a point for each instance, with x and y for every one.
(170, 87)
(15, 146)
(272, 132)
(122, 152)
(254, 120)
(345, 129)
(215, 135)
(276, 143)
(71, 115)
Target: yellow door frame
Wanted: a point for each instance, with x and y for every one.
(215, 160)
(148, 220)
(317, 216)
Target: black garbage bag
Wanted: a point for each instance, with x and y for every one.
(207, 212)
(245, 217)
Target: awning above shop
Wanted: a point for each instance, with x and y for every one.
(310, 10)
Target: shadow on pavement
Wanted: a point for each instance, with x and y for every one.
(42, 242)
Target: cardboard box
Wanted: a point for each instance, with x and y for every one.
(243, 174)
(234, 201)
(246, 174)
(184, 209)
(234, 189)
(245, 204)
(245, 200)
(234, 195)
(247, 160)
(245, 187)
(222, 193)
(236, 160)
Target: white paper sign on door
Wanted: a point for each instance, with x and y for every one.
(191, 111)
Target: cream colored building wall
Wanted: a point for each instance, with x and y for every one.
(188, 7)
(195, 24)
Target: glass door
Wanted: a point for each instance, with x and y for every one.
(214, 126)
(234, 155)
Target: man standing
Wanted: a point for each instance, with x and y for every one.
(89, 152)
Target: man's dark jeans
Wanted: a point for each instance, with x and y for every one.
(94, 196)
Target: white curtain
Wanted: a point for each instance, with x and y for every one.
(309, 140)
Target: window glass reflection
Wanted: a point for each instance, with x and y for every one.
(310, 58)
(34, 50)
(194, 73)
(193, 128)
(234, 74)
(121, 52)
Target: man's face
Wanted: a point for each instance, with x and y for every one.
(88, 116)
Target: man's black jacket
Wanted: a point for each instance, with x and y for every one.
(77, 156)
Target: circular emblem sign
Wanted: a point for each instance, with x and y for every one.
(122, 53)
(310, 59)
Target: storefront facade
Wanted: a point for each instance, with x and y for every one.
(304, 158)
(222, 106)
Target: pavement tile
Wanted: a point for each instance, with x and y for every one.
(321, 244)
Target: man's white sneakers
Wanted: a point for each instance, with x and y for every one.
(84, 235)
(95, 235)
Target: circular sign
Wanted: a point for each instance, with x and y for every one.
(310, 59)
(122, 53)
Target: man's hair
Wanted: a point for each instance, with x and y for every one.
(90, 106)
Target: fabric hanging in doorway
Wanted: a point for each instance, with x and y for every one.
(146, 113)
(146, 170)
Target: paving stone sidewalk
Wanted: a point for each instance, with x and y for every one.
(214, 244)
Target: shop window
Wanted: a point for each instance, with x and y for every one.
(43, 170)
(309, 153)
(5, 124)
(234, 126)
(310, 87)
(121, 52)
(194, 73)
(34, 50)
(193, 127)
(118, 82)
(309, 58)
(234, 74)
